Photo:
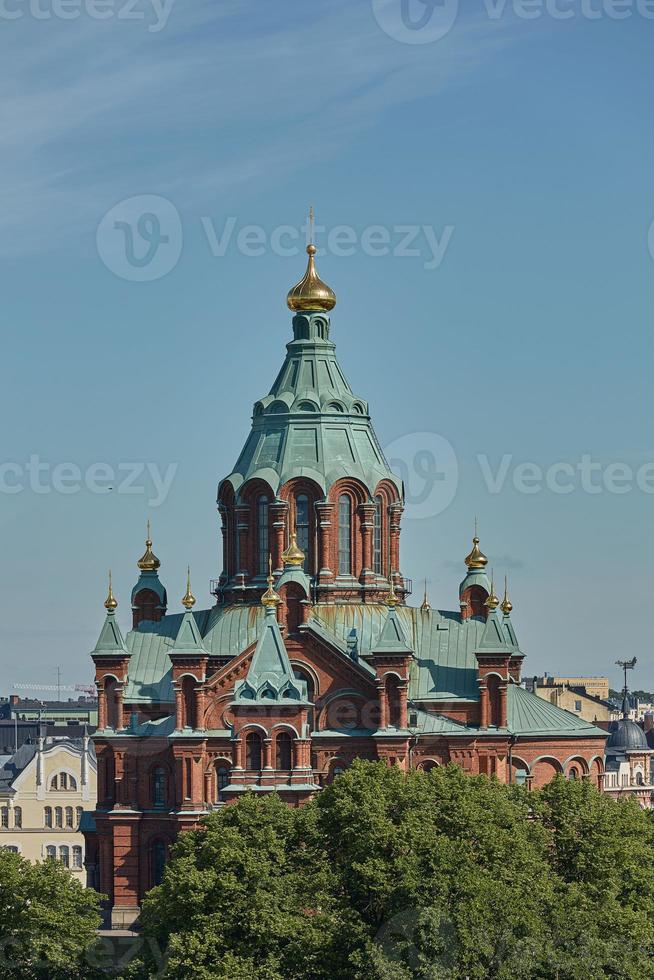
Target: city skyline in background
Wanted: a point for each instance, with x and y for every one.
(494, 302)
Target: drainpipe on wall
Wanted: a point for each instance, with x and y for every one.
(512, 741)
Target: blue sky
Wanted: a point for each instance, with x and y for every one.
(524, 147)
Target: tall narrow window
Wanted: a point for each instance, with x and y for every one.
(48, 816)
(253, 752)
(18, 817)
(284, 751)
(78, 815)
(377, 538)
(262, 535)
(344, 535)
(64, 855)
(4, 816)
(158, 861)
(222, 780)
(302, 527)
(59, 817)
(69, 816)
(51, 852)
(159, 788)
(77, 856)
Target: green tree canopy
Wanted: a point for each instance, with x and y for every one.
(48, 921)
(389, 875)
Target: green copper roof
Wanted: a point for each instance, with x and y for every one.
(189, 638)
(150, 580)
(392, 638)
(530, 715)
(110, 642)
(311, 424)
(494, 639)
(432, 724)
(270, 677)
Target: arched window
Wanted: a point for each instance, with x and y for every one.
(159, 788)
(393, 694)
(344, 535)
(283, 754)
(377, 538)
(263, 546)
(573, 772)
(54, 782)
(188, 699)
(51, 852)
(64, 855)
(4, 816)
(303, 528)
(72, 783)
(158, 861)
(47, 816)
(78, 814)
(222, 779)
(494, 700)
(253, 752)
(18, 817)
(59, 817)
(77, 856)
(69, 816)
(111, 697)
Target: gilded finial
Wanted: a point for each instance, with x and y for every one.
(476, 560)
(189, 599)
(391, 598)
(507, 605)
(149, 561)
(492, 602)
(270, 599)
(293, 556)
(425, 607)
(110, 603)
(311, 294)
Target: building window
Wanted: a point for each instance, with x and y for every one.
(222, 780)
(4, 816)
(262, 535)
(303, 528)
(51, 852)
(47, 816)
(62, 781)
(158, 861)
(577, 705)
(573, 773)
(77, 856)
(78, 815)
(59, 817)
(283, 755)
(159, 788)
(253, 752)
(64, 855)
(69, 816)
(12, 848)
(377, 538)
(344, 535)
(18, 817)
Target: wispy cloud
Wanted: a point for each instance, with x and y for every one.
(98, 110)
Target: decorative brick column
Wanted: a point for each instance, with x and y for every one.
(395, 513)
(504, 716)
(102, 708)
(382, 695)
(267, 753)
(367, 515)
(325, 511)
(483, 704)
(200, 704)
(279, 516)
(179, 709)
(403, 694)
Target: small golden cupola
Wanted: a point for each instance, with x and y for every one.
(293, 556)
(311, 294)
(111, 603)
(507, 605)
(476, 560)
(270, 599)
(188, 600)
(149, 561)
(492, 602)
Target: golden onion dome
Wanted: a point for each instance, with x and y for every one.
(507, 605)
(189, 599)
(476, 560)
(293, 555)
(270, 599)
(391, 599)
(492, 602)
(149, 561)
(110, 603)
(311, 293)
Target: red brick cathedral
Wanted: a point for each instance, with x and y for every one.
(309, 656)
